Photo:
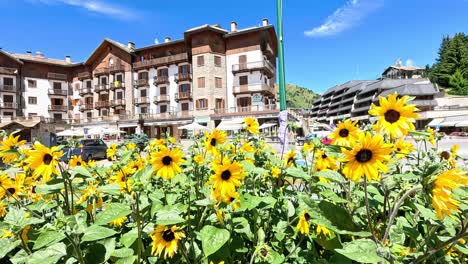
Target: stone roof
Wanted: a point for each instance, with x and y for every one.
(412, 89)
(40, 59)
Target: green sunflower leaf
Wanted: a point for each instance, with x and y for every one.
(213, 239)
(113, 212)
(361, 251)
(96, 232)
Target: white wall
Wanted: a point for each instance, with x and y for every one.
(41, 93)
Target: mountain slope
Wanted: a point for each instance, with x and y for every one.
(299, 97)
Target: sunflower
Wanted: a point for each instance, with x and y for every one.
(303, 224)
(118, 222)
(166, 239)
(9, 146)
(131, 146)
(450, 156)
(90, 191)
(122, 178)
(137, 164)
(403, 148)
(442, 199)
(3, 209)
(290, 159)
(432, 135)
(307, 147)
(322, 231)
(345, 133)
(6, 233)
(396, 117)
(112, 151)
(251, 124)
(323, 161)
(5, 182)
(227, 176)
(366, 158)
(247, 147)
(16, 187)
(275, 172)
(214, 140)
(44, 160)
(167, 162)
(199, 159)
(76, 161)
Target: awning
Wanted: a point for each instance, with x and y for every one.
(168, 123)
(266, 125)
(448, 123)
(435, 122)
(127, 125)
(2, 125)
(462, 124)
(231, 125)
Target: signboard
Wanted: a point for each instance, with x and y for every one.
(257, 98)
(202, 119)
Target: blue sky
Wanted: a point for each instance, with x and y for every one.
(327, 42)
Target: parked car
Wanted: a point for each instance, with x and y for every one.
(455, 134)
(307, 139)
(326, 141)
(91, 149)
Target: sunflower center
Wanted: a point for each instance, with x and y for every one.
(445, 155)
(324, 156)
(78, 163)
(226, 175)
(364, 155)
(168, 235)
(33, 189)
(398, 149)
(392, 116)
(307, 216)
(47, 159)
(213, 142)
(290, 160)
(264, 252)
(167, 160)
(344, 132)
(11, 190)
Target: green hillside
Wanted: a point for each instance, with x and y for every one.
(299, 97)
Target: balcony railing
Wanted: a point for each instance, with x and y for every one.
(101, 104)
(8, 105)
(58, 108)
(56, 76)
(118, 102)
(84, 75)
(161, 61)
(258, 87)
(116, 68)
(167, 115)
(183, 96)
(101, 88)
(161, 80)
(86, 107)
(8, 71)
(101, 71)
(8, 88)
(182, 77)
(60, 92)
(86, 90)
(252, 109)
(117, 85)
(161, 98)
(141, 100)
(141, 82)
(255, 66)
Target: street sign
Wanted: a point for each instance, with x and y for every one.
(257, 98)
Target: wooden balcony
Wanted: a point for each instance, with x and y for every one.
(101, 71)
(251, 88)
(141, 83)
(57, 108)
(84, 75)
(182, 77)
(116, 68)
(183, 96)
(101, 88)
(86, 107)
(86, 91)
(161, 80)
(117, 85)
(161, 98)
(118, 103)
(9, 71)
(153, 63)
(8, 105)
(246, 110)
(264, 66)
(5, 88)
(56, 76)
(141, 100)
(58, 92)
(101, 104)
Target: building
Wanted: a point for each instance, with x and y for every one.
(210, 75)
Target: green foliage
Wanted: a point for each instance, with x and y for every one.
(458, 83)
(299, 97)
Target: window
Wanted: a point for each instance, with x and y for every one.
(243, 80)
(89, 114)
(243, 103)
(202, 104)
(162, 90)
(163, 72)
(184, 88)
(201, 82)
(8, 98)
(7, 81)
(57, 101)
(104, 112)
(200, 60)
(32, 100)
(32, 114)
(89, 100)
(77, 86)
(266, 80)
(242, 62)
(119, 78)
(8, 113)
(104, 80)
(57, 116)
(219, 104)
(184, 69)
(144, 110)
(57, 85)
(217, 61)
(163, 108)
(119, 95)
(185, 107)
(32, 83)
(143, 93)
(89, 84)
(218, 82)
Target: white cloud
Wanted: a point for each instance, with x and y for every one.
(345, 17)
(409, 62)
(95, 6)
(156, 41)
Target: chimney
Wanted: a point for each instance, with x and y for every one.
(167, 39)
(131, 45)
(39, 54)
(29, 53)
(68, 59)
(265, 22)
(233, 26)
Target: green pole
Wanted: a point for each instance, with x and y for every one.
(281, 75)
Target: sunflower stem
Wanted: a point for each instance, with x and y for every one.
(138, 220)
(368, 210)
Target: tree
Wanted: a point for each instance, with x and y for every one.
(458, 83)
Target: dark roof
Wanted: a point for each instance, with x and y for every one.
(412, 89)
(112, 42)
(11, 56)
(390, 83)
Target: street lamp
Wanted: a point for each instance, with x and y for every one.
(283, 115)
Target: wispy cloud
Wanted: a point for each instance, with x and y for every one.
(345, 17)
(410, 62)
(95, 6)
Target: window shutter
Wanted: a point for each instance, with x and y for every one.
(197, 103)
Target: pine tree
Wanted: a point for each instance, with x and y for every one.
(458, 83)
